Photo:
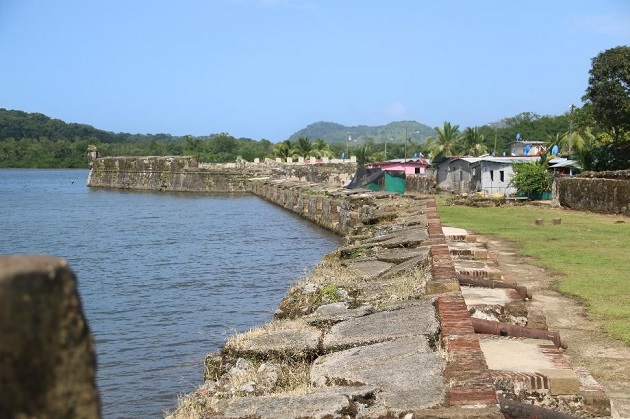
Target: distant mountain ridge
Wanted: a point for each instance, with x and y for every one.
(19, 124)
(393, 132)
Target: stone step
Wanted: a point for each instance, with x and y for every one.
(525, 368)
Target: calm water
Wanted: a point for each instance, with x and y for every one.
(164, 278)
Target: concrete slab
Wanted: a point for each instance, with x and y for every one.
(283, 336)
(515, 355)
(476, 296)
(335, 313)
(321, 403)
(416, 320)
(370, 268)
(409, 237)
(406, 370)
(454, 232)
(401, 255)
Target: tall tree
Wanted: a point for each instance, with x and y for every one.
(322, 149)
(284, 149)
(304, 146)
(609, 91)
(473, 142)
(446, 143)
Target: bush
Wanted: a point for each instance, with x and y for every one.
(531, 178)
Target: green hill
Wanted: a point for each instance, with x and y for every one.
(393, 132)
(19, 124)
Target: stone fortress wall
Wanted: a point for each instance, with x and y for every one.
(604, 192)
(185, 174)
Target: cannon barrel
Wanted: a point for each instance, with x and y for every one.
(490, 283)
(512, 409)
(490, 327)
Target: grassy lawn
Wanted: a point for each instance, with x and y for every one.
(590, 251)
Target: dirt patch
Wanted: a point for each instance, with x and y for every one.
(607, 359)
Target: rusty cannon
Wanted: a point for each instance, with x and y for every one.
(491, 283)
(490, 327)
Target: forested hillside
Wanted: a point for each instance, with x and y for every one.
(33, 140)
(394, 132)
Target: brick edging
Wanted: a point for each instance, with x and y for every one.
(467, 377)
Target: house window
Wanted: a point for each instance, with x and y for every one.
(461, 175)
(417, 170)
(491, 175)
(502, 175)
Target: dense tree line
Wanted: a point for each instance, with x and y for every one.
(596, 134)
(33, 140)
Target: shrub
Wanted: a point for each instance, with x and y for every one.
(531, 177)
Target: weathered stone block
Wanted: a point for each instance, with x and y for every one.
(562, 381)
(480, 254)
(536, 319)
(495, 275)
(419, 319)
(442, 286)
(596, 403)
(47, 360)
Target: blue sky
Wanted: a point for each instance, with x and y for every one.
(267, 68)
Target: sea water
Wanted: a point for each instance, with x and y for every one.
(164, 277)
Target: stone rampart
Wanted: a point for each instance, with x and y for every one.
(185, 174)
(336, 209)
(425, 183)
(604, 192)
(180, 174)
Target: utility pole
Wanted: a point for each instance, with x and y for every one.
(348, 145)
(572, 108)
(407, 139)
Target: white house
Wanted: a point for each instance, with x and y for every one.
(489, 174)
(478, 174)
(527, 148)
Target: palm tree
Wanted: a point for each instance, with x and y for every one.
(321, 148)
(585, 143)
(447, 141)
(575, 141)
(554, 140)
(284, 149)
(472, 142)
(304, 147)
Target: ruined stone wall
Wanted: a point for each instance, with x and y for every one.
(184, 174)
(334, 174)
(603, 192)
(426, 183)
(170, 174)
(336, 209)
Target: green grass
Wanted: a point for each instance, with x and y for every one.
(590, 251)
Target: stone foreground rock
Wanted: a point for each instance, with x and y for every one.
(382, 328)
(47, 358)
(360, 337)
